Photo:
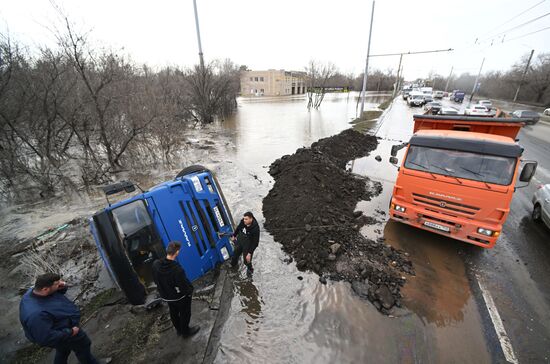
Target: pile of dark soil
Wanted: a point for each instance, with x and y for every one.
(310, 211)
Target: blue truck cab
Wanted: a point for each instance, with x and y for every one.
(132, 233)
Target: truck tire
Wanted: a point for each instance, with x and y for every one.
(536, 215)
(191, 169)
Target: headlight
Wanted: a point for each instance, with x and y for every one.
(399, 208)
(487, 232)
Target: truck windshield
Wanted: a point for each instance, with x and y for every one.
(131, 218)
(478, 167)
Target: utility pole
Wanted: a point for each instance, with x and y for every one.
(399, 79)
(475, 83)
(395, 90)
(524, 73)
(449, 79)
(363, 89)
(198, 35)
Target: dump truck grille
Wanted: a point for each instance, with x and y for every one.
(445, 204)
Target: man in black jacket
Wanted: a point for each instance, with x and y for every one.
(175, 289)
(246, 238)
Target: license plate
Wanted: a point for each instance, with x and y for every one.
(218, 216)
(436, 226)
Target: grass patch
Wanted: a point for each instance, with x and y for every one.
(368, 116)
(99, 300)
(31, 354)
(385, 104)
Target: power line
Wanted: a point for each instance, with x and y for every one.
(517, 16)
(525, 35)
(518, 26)
(403, 53)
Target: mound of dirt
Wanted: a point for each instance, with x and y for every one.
(310, 211)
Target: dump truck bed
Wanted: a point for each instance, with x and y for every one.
(508, 127)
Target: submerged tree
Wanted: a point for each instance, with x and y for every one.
(317, 78)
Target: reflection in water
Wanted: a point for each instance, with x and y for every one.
(440, 290)
(250, 299)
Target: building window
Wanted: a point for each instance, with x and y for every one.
(262, 90)
(251, 78)
(256, 79)
(261, 79)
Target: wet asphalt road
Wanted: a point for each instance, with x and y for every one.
(283, 315)
(514, 273)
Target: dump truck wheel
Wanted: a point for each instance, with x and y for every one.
(191, 169)
(536, 215)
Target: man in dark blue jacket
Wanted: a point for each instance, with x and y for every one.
(51, 319)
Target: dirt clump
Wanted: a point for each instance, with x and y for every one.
(310, 211)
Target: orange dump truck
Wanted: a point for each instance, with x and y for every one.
(458, 176)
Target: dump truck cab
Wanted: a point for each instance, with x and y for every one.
(458, 176)
(132, 233)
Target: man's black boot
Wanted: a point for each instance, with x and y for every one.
(192, 330)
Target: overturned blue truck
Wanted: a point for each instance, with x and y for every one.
(132, 233)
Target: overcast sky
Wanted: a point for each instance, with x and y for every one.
(286, 34)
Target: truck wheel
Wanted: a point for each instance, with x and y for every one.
(191, 169)
(536, 215)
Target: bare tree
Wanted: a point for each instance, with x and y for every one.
(317, 77)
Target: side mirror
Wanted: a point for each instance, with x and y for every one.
(397, 148)
(394, 160)
(528, 171)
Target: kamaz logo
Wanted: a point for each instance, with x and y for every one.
(442, 204)
(445, 196)
(195, 227)
(184, 233)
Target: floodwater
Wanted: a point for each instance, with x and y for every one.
(283, 315)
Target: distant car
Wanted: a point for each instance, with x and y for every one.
(541, 205)
(487, 103)
(448, 111)
(457, 96)
(406, 92)
(531, 117)
(434, 106)
(416, 99)
(438, 94)
(547, 112)
(428, 97)
(478, 110)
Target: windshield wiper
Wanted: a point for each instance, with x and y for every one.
(449, 171)
(477, 174)
(424, 167)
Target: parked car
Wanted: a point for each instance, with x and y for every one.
(428, 97)
(531, 117)
(448, 111)
(487, 103)
(438, 94)
(406, 92)
(541, 205)
(434, 106)
(477, 110)
(416, 99)
(547, 112)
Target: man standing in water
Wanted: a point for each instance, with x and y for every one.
(246, 238)
(175, 289)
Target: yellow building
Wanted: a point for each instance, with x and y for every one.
(272, 83)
